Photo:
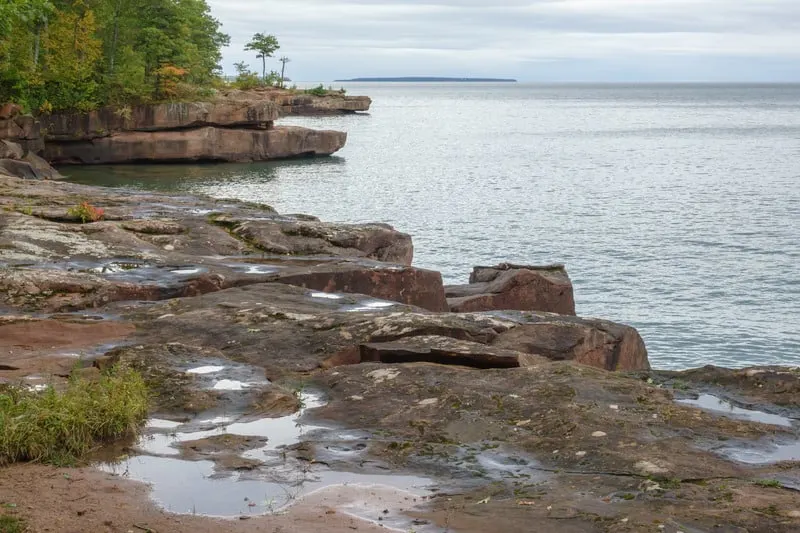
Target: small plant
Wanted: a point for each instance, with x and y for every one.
(771, 483)
(11, 524)
(61, 427)
(86, 212)
(319, 90)
(124, 112)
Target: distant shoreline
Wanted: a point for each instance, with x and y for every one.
(430, 79)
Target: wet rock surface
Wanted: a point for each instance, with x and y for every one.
(330, 384)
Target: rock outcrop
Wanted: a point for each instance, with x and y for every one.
(20, 129)
(507, 286)
(197, 144)
(298, 103)
(224, 130)
(16, 161)
(519, 411)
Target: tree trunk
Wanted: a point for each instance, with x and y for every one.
(264, 67)
(36, 47)
(113, 54)
(283, 71)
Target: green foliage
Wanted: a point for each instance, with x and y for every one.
(80, 54)
(62, 427)
(769, 483)
(317, 91)
(265, 46)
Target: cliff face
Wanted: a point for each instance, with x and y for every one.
(226, 130)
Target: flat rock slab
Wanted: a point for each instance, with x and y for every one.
(446, 351)
(516, 287)
(198, 144)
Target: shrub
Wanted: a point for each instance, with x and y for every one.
(317, 91)
(62, 427)
(86, 212)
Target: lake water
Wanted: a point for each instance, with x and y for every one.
(675, 208)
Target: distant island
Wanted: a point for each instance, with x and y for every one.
(430, 78)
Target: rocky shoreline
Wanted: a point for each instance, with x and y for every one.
(237, 126)
(484, 407)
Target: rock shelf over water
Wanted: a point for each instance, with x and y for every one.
(243, 320)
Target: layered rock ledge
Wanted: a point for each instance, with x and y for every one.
(292, 103)
(231, 131)
(236, 314)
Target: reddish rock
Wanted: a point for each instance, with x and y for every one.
(403, 284)
(446, 351)
(514, 287)
(591, 342)
(199, 144)
(9, 150)
(303, 104)
(9, 110)
(106, 121)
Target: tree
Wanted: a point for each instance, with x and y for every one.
(266, 46)
(284, 60)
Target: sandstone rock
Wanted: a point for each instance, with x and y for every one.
(506, 286)
(106, 121)
(299, 237)
(9, 110)
(20, 169)
(587, 341)
(9, 150)
(42, 166)
(444, 350)
(407, 285)
(200, 144)
(293, 103)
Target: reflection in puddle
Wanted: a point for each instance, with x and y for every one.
(205, 370)
(766, 453)
(259, 269)
(190, 487)
(371, 305)
(196, 487)
(326, 295)
(186, 271)
(712, 403)
(230, 384)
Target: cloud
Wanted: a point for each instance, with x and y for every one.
(532, 40)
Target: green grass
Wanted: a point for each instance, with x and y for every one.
(11, 524)
(61, 427)
(774, 483)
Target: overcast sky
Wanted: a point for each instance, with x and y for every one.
(532, 40)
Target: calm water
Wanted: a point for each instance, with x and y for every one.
(675, 208)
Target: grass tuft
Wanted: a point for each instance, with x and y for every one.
(61, 427)
(11, 524)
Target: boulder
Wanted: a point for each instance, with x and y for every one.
(42, 167)
(106, 121)
(199, 144)
(517, 287)
(9, 150)
(587, 341)
(20, 169)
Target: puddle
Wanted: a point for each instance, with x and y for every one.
(198, 487)
(326, 295)
(230, 384)
(766, 453)
(187, 271)
(116, 267)
(205, 370)
(717, 405)
(369, 305)
(257, 269)
(191, 487)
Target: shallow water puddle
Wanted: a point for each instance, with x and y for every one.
(762, 454)
(199, 487)
(326, 295)
(717, 405)
(190, 487)
(205, 370)
(230, 384)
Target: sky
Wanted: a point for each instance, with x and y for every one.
(531, 40)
